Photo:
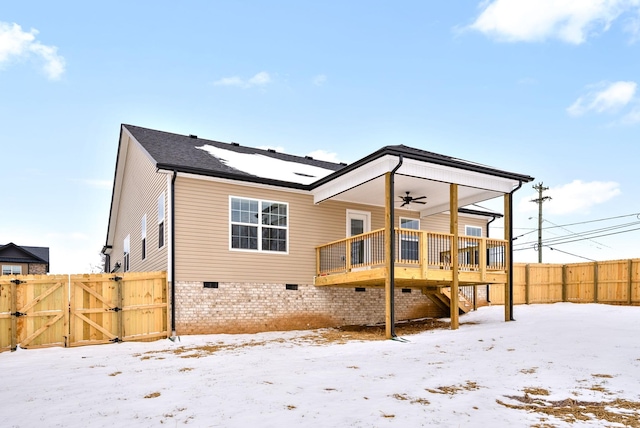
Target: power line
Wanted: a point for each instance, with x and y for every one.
(583, 239)
(574, 233)
(585, 235)
(582, 222)
(571, 254)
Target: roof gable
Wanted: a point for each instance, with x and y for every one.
(16, 254)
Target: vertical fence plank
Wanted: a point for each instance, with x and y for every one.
(595, 282)
(527, 284)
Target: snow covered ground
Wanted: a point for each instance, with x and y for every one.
(555, 364)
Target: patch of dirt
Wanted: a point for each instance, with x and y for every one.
(535, 391)
(412, 400)
(619, 411)
(454, 389)
(337, 335)
(152, 395)
(377, 331)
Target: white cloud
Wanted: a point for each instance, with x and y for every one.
(319, 80)
(324, 155)
(604, 97)
(575, 197)
(571, 21)
(260, 79)
(17, 44)
(632, 117)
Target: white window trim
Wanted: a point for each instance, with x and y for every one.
(126, 254)
(259, 226)
(466, 230)
(11, 267)
(143, 237)
(161, 220)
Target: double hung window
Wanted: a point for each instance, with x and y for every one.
(161, 220)
(259, 225)
(409, 241)
(143, 234)
(11, 270)
(127, 249)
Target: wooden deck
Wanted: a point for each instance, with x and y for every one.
(422, 260)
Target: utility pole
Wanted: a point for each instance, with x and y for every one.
(540, 200)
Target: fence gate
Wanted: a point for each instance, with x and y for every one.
(72, 310)
(33, 311)
(111, 308)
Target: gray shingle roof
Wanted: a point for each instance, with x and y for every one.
(180, 152)
(21, 254)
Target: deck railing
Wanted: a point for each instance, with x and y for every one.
(430, 250)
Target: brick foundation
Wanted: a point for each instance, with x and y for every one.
(250, 307)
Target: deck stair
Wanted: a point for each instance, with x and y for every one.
(441, 296)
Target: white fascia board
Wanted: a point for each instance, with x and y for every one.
(458, 176)
(123, 148)
(476, 197)
(365, 173)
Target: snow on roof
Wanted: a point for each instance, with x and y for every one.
(267, 167)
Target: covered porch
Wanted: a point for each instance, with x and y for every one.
(391, 256)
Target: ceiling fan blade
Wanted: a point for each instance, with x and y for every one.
(404, 203)
(419, 197)
(418, 202)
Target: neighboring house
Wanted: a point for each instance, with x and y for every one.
(21, 260)
(260, 240)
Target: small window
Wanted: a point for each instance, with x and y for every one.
(473, 231)
(143, 234)
(409, 244)
(11, 270)
(126, 249)
(258, 225)
(291, 286)
(161, 220)
(210, 284)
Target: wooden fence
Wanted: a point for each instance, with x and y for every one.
(74, 310)
(612, 282)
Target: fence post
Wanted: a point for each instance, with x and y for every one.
(14, 318)
(564, 283)
(595, 282)
(629, 281)
(527, 297)
(120, 326)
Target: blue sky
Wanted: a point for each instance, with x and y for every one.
(546, 88)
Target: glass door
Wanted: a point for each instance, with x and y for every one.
(359, 222)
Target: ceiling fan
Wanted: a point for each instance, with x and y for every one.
(406, 200)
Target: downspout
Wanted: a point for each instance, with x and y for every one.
(488, 286)
(173, 254)
(511, 249)
(392, 243)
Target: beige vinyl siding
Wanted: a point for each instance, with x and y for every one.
(440, 223)
(141, 187)
(202, 233)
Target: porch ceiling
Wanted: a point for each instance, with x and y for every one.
(366, 185)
